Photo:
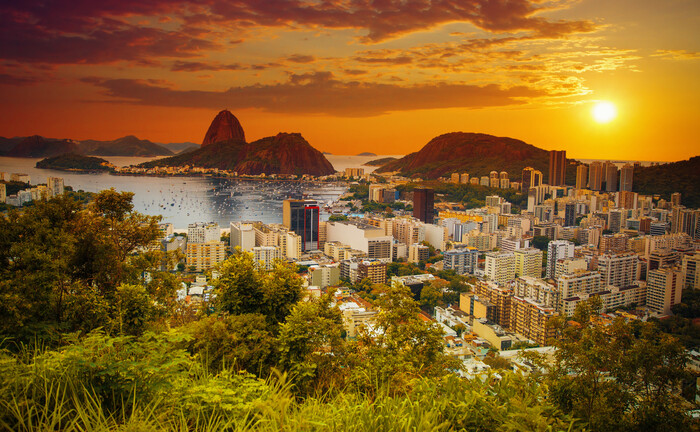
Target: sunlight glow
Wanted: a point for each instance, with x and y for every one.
(604, 112)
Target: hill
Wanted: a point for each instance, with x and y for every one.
(366, 154)
(681, 176)
(284, 153)
(37, 146)
(473, 153)
(380, 162)
(180, 147)
(125, 146)
(74, 162)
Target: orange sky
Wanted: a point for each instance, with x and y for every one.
(358, 75)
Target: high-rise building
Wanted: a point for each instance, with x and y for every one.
(557, 167)
(424, 204)
(664, 287)
(204, 256)
(500, 267)
(3, 193)
(418, 252)
(556, 250)
(454, 178)
(676, 199)
(200, 232)
(373, 270)
(581, 176)
(303, 217)
(242, 236)
(528, 262)
(610, 177)
(530, 178)
(595, 176)
(55, 185)
(691, 271)
(626, 177)
(461, 260)
(570, 214)
(619, 270)
(266, 256)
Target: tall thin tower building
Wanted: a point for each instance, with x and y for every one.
(557, 167)
(610, 173)
(581, 176)
(423, 204)
(626, 174)
(595, 176)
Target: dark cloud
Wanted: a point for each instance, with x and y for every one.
(393, 61)
(299, 58)
(89, 31)
(320, 93)
(188, 66)
(355, 71)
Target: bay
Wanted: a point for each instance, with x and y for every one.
(184, 200)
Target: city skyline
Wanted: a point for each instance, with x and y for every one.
(352, 77)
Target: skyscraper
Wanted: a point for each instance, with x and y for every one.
(557, 167)
(595, 176)
(626, 175)
(570, 214)
(581, 176)
(610, 177)
(423, 204)
(556, 250)
(302, 217)
(530, 178)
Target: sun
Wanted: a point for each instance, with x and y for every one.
(604, 112)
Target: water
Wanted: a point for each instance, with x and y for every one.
(183, 200)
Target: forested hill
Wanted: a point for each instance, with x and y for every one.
(681, 176)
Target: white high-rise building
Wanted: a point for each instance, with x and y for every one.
(461, 260)
(500, 267)
(664, 287)
(619, 270)
(528, 262)
(265, 256)
(55, 186)
(556, 250)
(203, 232)
(242, 236)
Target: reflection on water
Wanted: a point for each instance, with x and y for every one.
(182, 200)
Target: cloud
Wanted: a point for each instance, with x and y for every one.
(677, 54)
(95, 32)
(299, 58)
(188, 66)
(393, 61)
(321, 93)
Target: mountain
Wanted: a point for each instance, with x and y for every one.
(663, 180)
(180, 147)
(380, 161)
(284, 153)
(7, 144)
(473, 153)
(125, 146)
(38, 146)
(74, 162)
(224, 127)
(366, 154)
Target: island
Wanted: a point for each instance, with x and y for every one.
(380, 161)
(75, 162)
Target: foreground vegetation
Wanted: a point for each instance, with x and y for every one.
(93, 339)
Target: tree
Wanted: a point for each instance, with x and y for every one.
(540, 242)
(311, 346)
(243, 288)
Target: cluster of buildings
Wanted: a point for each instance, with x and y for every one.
(53, 187)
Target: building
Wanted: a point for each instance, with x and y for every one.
(324, 276)
(675, 199)
(418, 252)
(664, 287)
(204, 256)
(610, 172)
(424, 204)
(461, 260)
(613, 243)
(303, 217)
(570, 214)
(595, 176)
(569, 265)
(201, 232)
(557, 167)
(354, 172)
(361, 236)
(572, 286)
(500, 267)
(19, 177)
(499, 297)
(691, 271)
(530, 319)
(3, 193)
(266, 256)
(242, 236)
(55, 186)
(581, 176)
(619, 270)
(374, 270)
(626, 177)
(528, 262)
(530, 178)
(556, 250)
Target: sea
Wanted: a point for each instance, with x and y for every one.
(185, 200)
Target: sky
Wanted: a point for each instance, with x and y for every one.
(381, 76)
